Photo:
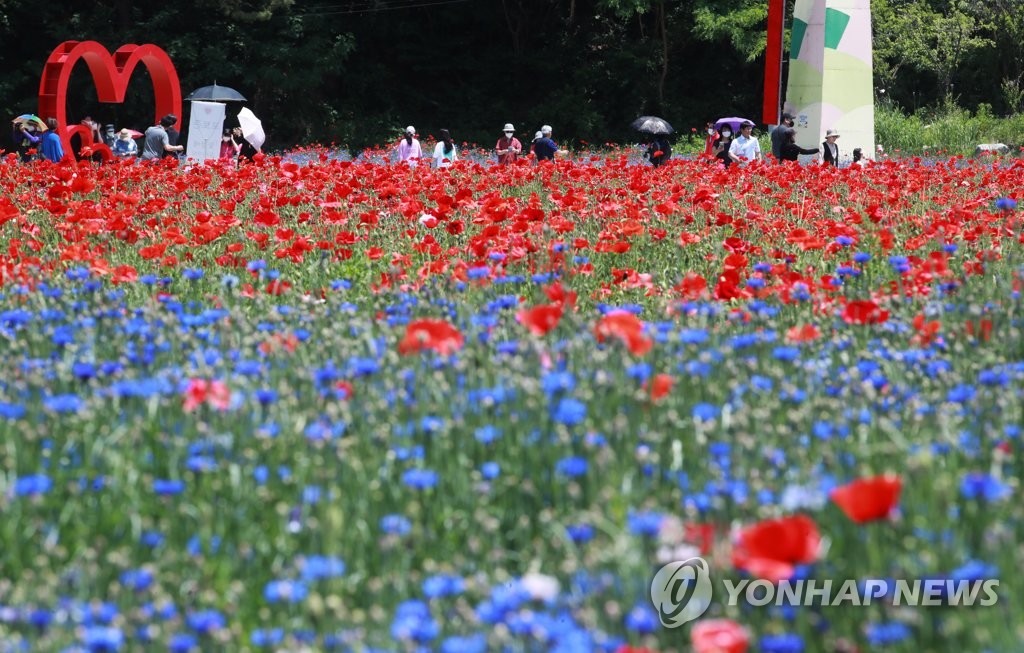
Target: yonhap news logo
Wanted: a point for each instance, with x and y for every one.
(682, 592)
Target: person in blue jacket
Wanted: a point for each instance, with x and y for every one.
(51, 147)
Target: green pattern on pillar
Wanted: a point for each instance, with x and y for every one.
(835, 25)
(797, 40)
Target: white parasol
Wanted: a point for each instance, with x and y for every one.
(252, 128)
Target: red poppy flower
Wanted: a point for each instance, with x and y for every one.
(540, 319)
(868, 499)
(805, 333)
(719, 636)
(625, 327)
(864, 312)
(201, 391)
(660, 386)
(771, 549)
(434, 335)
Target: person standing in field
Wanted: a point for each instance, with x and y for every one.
(546, 149)
(508, 147)
(409, 150)
(829, 149)
(745, 149)
(779, 135)
(444, 151)
(789, 150)
(157, 142)
(125, 146)
(51, 147)
(722, 143)
(711, 139)
(173, 136)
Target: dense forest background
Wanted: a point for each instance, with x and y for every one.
(355, 72)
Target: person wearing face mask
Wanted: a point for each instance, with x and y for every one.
(780, 135)
(722, 144)
(710, 140)
(229, 149)
(508, 147)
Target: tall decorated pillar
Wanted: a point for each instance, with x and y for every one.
(830, 74)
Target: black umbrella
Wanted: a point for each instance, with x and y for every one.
(652, 125)
(216, 93)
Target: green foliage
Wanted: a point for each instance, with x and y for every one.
(947, 129)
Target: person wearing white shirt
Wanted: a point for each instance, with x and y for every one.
(444, 151)
(745, 148)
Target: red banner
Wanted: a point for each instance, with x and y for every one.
(773, 62)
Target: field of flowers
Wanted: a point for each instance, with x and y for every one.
(341, 406)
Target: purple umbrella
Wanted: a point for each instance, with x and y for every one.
(734, 123)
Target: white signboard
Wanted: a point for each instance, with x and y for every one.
(206, 124)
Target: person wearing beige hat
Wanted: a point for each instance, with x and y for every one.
(829, 149)
(125, 145)
(508, 147)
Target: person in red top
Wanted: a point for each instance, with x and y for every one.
(508, 148)
(710, 139)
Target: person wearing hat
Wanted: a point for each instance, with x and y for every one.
(546, 149)
(745, 148)
(508, 148)
(157, 142)
(409, 150)
(829, 149)
(779, 135)
(125, 145)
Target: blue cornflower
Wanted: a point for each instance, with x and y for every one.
(490, 470)
(580, 533)
(845, 241)
(66, 403)
(861, 257)
(33, 485)
(11, 411)
(470, 644)
(137, 579)
(887, 633)
(705, 412)
(413, 622)
(395, 525)
(641, 619)
(193, 274)
(319, 567)
(289, 591)
(782, 643)
(977, 485)
(420, 479)
(487, 434)
(572, 466)
(787, 354)
(645, 523)
(1006, 204)
(182, 643)
(102, 639)
(266, 636)
(205, 621)
(442, 585)
(569, 411)
(165, 487)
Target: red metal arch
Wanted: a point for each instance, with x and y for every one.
(111, 73)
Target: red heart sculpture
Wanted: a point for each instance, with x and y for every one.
(111, 75)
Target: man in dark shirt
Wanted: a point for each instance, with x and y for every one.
(545, 148)
(172, 134)
(779, 135)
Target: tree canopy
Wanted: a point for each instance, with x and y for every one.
(355, 72)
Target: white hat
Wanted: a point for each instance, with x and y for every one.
(508, 127)
(832, 132)
(410, 130)
(546, 129)
(538, 136)
(125, 134)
